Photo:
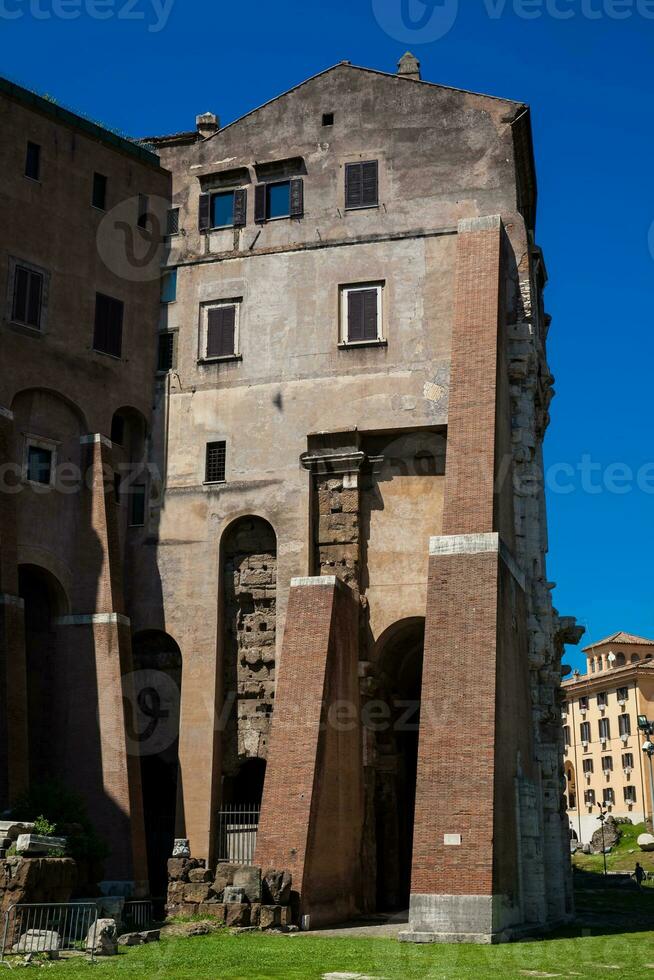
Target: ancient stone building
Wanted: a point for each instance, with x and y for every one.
(77, 354)
(352, 524)
(342, 557)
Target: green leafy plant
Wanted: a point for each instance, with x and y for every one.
(68, 813)
(43, 827)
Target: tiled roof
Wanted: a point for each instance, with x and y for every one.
(620, 638)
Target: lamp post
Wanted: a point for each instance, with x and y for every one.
(647, 728)
(602, 817)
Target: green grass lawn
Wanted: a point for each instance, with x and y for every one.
(610, 939)
(620, 858)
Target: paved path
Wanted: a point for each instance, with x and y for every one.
(371, 927)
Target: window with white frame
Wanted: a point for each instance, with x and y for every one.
(362, 313)
(602, 700)
(624, 724)
(589, 796)
(630, 794)
(219, 330)
(588, 766)
(584, 731)
(604, 729)
(609, 796)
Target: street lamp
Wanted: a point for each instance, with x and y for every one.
(602, 817)
(647, 728)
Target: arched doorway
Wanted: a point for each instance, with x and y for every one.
(571, 786)
(249, 575)
(45, 600)
(157, 689)
(400, 660)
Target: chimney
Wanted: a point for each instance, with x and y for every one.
(409, 66)
(207, 124)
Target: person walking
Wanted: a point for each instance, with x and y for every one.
(640, 874)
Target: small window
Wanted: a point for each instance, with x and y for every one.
(630, 794)
(39, 465)
(220, 331)
(592, 666)
(137, 505)
(222, 210)
(172, 221)
(225, 209)
(166, 352)
(361, 314)
(583, 704)
(215, 462)
(588, 766)
(624, 724)
(589, 797)
(623, 694)
(28, 295)
(609, 796)
(361, 185)
(602, 700)
(328, 118)
(143, 211)
(604, 729)
(566, 736)
(282, 199)
(584, 730)
(628, 760)
(99, 197)
(108, 331)
(33, 161)
(118, 429)
(169, 286)
(607, 763)
(278, 200)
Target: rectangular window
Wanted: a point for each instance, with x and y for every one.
(589, 797)
(361, 185)
(624, 724)
(39, 465)
(623, 694)
(280, 199)
(630, 794)
(99, 196)
(604, 729)
(220, 331)
(361, 314)
(108, 330)
(166, 352)
(215, 462)
(602, 700)
(584, 730)
(169, 286)
(607, 763)
(172, 221)
(33, 161)
(137, 505)
(583, 704)
(28, 294)
(588, 766)
(628, 760)
(143, 211)
(609, 796)
(566, 735)
(222, 210)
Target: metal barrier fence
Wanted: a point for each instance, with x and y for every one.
(237, 833)
(53, 929)
(137, 915)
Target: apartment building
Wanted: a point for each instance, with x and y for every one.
(604, 761)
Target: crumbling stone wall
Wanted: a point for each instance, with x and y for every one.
(337, 526)
(250, 586)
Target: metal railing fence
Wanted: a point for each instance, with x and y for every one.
(49, 928)
(137, 914)
(237, 832)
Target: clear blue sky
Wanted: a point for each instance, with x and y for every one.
(588, 80)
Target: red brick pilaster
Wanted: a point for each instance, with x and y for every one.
(312, 810)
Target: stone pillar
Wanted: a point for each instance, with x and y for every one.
(14, 756)
(99, 757)
(312, 811)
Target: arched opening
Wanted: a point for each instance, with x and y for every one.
(571, 786)
(249, 576)
(635, 659)
(400, 660)
(45, 600)
(620, 660)
(157, 688)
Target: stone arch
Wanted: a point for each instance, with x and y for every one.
(398, 662)
(45, 601)
(51, 394)
(157, 661)
(635, 659)
(620, 660)
(570, 785)
(248, 557)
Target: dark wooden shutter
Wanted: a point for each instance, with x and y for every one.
(355, 316)
(240, 208)
(260, 203)
(204, 212)
(297, 197)
(369, 183)
(108, 331)
(21, 281)
(369, 314)
(220, 331)
(33, 317)
(353, 190)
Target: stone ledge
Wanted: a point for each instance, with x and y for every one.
(316, 580)
(487, 223)
(96, 437)
(101, 619)
(478, 938)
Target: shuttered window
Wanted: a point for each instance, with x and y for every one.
(362, 314)
(169, 286)
(33, 161)
(28, 295)
(221, 331)
(227, 209)
(361, 184)
(108, 331)
(215, 462)
(172, 221)
(281, 199)
(624, 723)
(99, 197)
(166, 352)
